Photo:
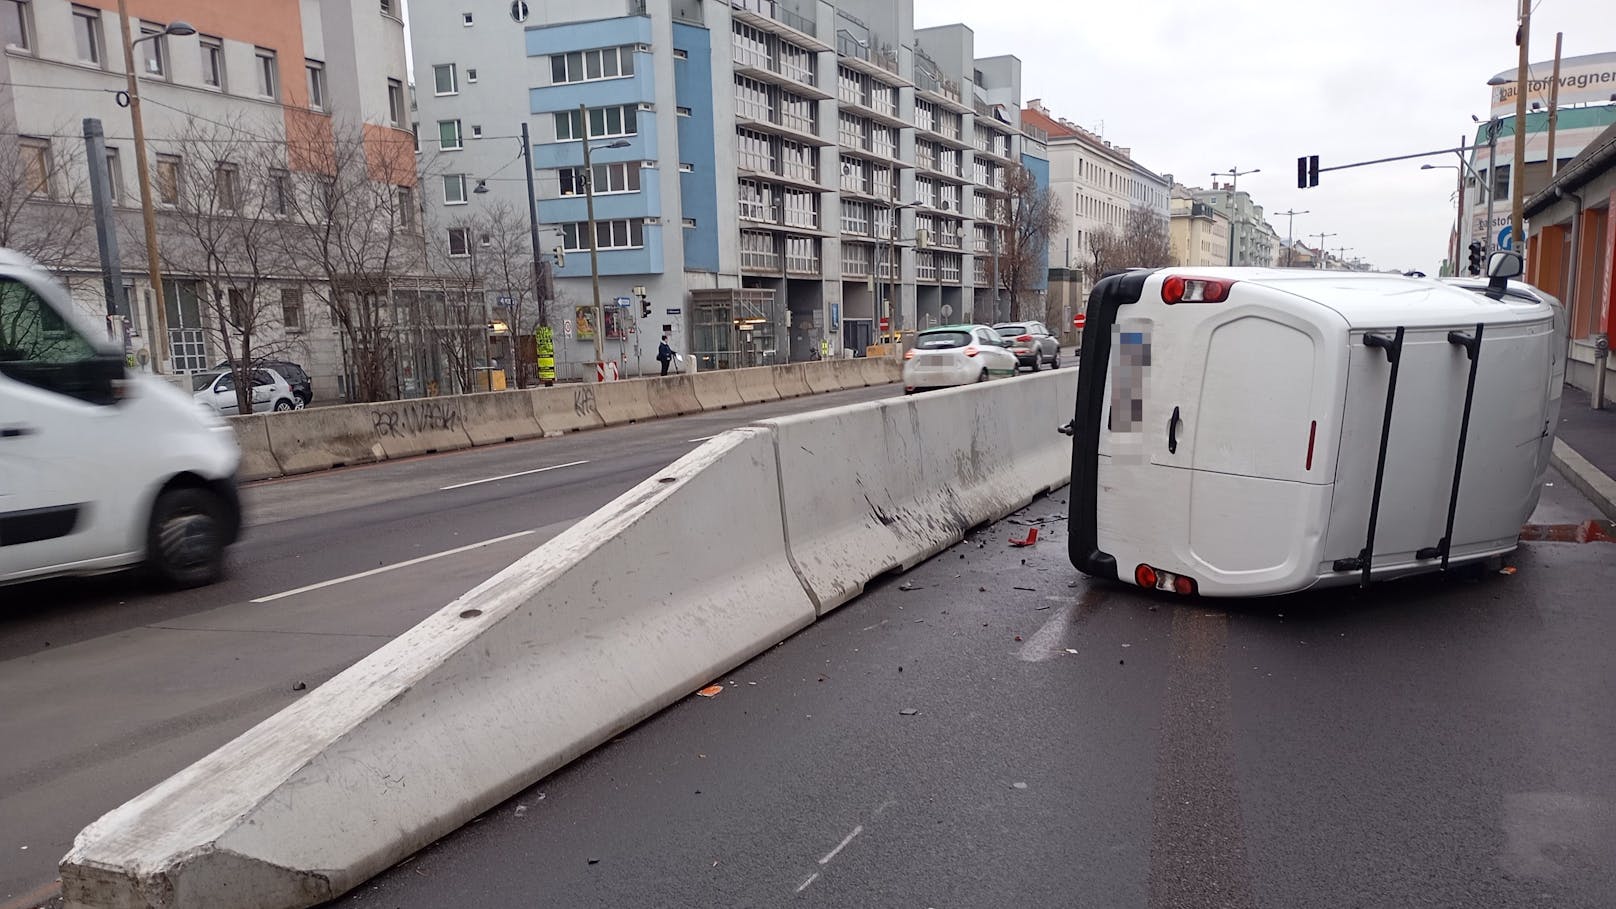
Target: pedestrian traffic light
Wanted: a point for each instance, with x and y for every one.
(1475, 257)
(645, 308)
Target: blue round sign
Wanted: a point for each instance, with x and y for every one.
(1506, 237)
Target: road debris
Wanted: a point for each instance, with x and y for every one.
(521, 811)
(710, 691)
(908, 711)
(1018, 785)
(1028, 589)
(301, 686)
(1507, 569)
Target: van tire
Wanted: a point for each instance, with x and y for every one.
(283, 404)
(186, 538)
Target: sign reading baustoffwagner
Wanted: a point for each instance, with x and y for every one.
(1589, 78)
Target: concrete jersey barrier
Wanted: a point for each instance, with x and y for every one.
(499, 416)
(715, 390)
(673, 396)
(879, 370)
(528, 671)
(755, 384)
(625, 401)
(257, 457)
(323, 438)
(847, 374)
(821, 376)
(419, 425)
(565, 408)
(791, 380)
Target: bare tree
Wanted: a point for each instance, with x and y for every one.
(353, 228)
(221, 229)
(1144, 242)
(1032, 216)
(504, 255)
(44, 200)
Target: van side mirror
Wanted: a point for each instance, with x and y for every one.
(1504, 264)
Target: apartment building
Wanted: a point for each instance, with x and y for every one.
(1200, 232)
(778, 179)
(1253, 240)
(228, 91)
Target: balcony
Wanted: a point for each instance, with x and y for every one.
(774, 18)
(880, 62)
(769, 70)
(938, 88)
(781, 125)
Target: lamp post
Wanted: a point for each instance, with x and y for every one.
(147, 213)
(1322, 254)
(1234, 174)
(1517, 175)
(594, 247)
(1290, 232)
(894, 313)
(1458, 222)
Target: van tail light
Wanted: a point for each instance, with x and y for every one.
(1180, 289)
(1023, 338)
(971, 351)
(1155, 579)
(908, 355)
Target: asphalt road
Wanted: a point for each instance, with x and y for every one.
(1077, 744)
(108, 686)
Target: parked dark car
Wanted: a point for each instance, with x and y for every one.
(1032, 344)
(302, 385)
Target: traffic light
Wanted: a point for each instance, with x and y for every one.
(560, 257)
(1307, 171)
(645, 308)
(1475, 257)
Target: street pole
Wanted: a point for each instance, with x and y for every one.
(1493, 125)
(1234, 174)
(533, 229)
(999, 314)
(1290, 232)
(1458, 223)
(106, 234)
(1322, 252)
(159, 334)
(1554, 105)
(594, 251)
(1517, 175)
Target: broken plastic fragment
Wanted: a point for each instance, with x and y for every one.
(710, 691)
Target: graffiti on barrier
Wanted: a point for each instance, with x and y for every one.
(413, 419)
(583, 401)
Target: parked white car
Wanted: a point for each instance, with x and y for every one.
(100, 468)
(957, 355)
(270, 391)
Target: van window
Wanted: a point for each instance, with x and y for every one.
(40, 348)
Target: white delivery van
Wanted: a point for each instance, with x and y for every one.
(1245, 432)
(101, 468)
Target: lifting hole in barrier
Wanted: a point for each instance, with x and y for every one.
(667, 479)
(471, 613)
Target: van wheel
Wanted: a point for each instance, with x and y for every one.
(283, 404)
(185, 542)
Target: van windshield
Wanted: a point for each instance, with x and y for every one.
(943, 340)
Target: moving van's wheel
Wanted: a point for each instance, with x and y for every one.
(283, 404)
(185, 542)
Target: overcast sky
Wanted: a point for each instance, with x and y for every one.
(1194, 87)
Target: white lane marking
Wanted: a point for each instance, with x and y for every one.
(702, 439)
(842, 845)
(393, 567)
(1046, 642)
(804, 885)
(519, 473)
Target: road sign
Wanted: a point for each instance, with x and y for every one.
(674, 311)
(622, 302)
(504, 300)
(566, 328)
(1506, 237)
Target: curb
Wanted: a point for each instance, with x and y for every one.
(1588, 479)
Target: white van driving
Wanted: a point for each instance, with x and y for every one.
(100, 468)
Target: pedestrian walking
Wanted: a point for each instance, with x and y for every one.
(664, 354)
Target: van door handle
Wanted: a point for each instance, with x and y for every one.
(1172, 432)
(16, 432)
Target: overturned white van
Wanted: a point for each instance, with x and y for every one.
(1245, 432)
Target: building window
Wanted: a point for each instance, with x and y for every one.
(609, 178)
(268, 84)
(1501, 181)
(604, 123)
(212, 61)
(443, 79)
(280, 192)
(454, 189)
(292, 308)
(226, 193)
(459, 242)
(17, 25)
(680, 53)
(406, 208)
(36, 165)
(168, 180)
(754, 151)
(590, 65)
(801, 208)
(519, 10)
(471, 75)
(466, 19)
(87, 33)
(395, 101)
(449, 137)
(622, 234)
(476, 131)
(756, 201)
(154, 56)
(855, 217)
(802, 255)
(316, 84)
(114, 177)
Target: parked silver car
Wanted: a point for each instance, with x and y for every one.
(1032, 344)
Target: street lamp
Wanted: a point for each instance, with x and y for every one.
(594, 246)
(1234, 174)
(894, 313)
(147, 213)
